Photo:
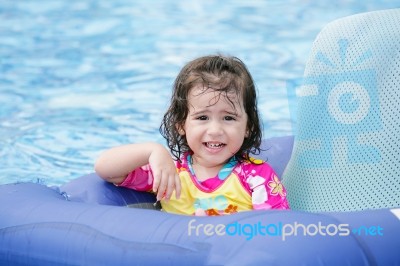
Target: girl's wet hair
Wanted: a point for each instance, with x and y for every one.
(226, 75)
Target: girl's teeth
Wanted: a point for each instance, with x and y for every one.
(215, 145)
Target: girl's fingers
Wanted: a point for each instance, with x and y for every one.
(174, 184)
(164, 184)
(177, 186)
(170, 187)
(156, 181)
(164, 187)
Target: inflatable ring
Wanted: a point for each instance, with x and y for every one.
(86, 222)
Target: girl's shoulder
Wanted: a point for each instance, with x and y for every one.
(254, 166)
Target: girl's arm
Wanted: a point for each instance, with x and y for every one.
(116, 163)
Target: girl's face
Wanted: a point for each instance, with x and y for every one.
(215, 128)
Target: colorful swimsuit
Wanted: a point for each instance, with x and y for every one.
(250, 185)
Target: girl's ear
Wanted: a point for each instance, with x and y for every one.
(247, 134)
(180, 130)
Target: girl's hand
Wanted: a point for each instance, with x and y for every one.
(165, 177)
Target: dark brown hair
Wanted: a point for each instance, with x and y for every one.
(224, 74)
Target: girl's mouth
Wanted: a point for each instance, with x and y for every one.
(214, 145)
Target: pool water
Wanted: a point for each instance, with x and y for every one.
(78, 77)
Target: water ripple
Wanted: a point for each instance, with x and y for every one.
(78, 77)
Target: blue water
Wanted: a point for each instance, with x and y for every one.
(77, 77)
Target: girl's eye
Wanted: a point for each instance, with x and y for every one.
(202, 117)
(229, 118)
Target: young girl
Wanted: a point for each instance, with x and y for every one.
(211, 127)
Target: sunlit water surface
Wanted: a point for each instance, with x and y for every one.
(77, 77)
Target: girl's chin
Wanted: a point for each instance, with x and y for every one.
(213, 159)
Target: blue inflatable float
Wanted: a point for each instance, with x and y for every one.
(86, 222)
(341, 174)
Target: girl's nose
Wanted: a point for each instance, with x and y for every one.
(215, 128)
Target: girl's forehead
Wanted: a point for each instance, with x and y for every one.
(202, 90)
(209, 96)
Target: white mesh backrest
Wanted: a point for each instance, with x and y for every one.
(347, 146)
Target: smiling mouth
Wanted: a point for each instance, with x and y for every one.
(214, 145)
